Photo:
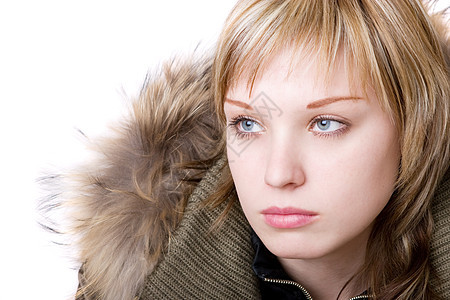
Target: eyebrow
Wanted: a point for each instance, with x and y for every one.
(312, 105)
(326, 101)
(239, 103)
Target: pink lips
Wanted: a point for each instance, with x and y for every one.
(288, 217)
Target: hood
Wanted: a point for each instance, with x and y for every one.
(121, 208)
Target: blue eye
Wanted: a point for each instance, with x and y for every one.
(326, 125)
(245, 127)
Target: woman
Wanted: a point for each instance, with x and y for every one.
(334, 120)
(315, 183)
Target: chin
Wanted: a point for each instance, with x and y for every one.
(296, 254)
(294, 250)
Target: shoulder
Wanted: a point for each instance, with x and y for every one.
(202, 262)
(440, 246)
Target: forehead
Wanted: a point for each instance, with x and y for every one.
(299, 70)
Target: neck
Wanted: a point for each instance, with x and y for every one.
(325, 277)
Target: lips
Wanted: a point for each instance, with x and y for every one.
(288, 217)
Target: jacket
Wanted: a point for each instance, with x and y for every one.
(137, 218)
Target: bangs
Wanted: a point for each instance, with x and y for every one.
(256, 31)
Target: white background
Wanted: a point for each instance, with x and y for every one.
(68, 65)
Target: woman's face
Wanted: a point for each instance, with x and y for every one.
(313, 163)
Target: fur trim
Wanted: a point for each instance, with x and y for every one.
(124, 205)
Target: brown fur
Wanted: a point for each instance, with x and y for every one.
(131, 197)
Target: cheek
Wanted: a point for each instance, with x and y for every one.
(363, 175)
(379, 159)
(243, 165)
(247, 169)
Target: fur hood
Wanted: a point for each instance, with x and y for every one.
(122, 207)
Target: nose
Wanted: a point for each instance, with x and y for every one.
(284, 168)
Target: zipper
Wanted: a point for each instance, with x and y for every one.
(283, 281)
(302, 288)
(360, 297)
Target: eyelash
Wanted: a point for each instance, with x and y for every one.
(345, 126)
(234, 125)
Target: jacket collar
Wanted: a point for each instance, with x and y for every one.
(266, 264)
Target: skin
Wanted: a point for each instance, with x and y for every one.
(330, 150)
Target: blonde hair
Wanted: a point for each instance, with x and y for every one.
(398, 51)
